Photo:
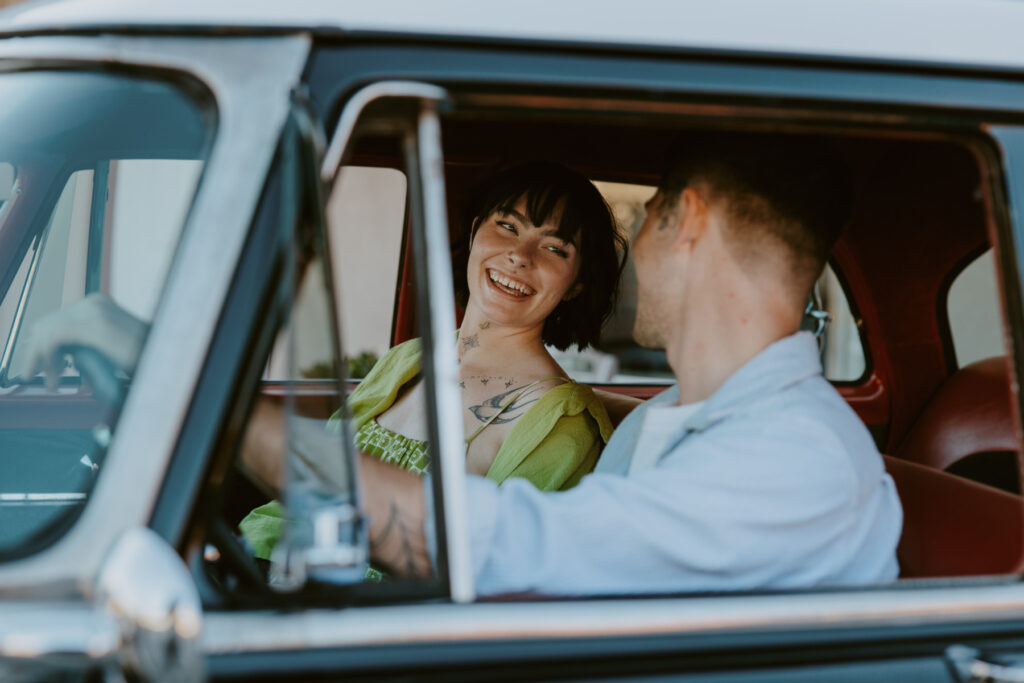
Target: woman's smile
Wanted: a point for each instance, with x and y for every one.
(509, 285)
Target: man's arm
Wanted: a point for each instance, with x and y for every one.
(392, 498)
(394, 502)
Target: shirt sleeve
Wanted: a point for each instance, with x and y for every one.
(722, 515)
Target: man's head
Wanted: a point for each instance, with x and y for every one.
(764, 209)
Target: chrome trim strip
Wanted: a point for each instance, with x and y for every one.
(40, 497)
(19, 312)
(267, 631)
(354, 109)
(438, 263)
(65, 630)
(245, 75)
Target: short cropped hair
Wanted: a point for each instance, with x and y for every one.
(795, 189)
(584, 219)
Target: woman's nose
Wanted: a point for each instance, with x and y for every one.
(521, 255)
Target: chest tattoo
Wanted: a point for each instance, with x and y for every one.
(489, 408)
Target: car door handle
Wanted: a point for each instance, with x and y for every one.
(968, 665)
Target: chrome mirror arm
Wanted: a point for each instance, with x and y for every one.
(334, 157)
(434, 289)
(421, 133)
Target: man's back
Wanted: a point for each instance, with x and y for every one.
(772, 482)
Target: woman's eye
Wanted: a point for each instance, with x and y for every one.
(507, 226)
(559, 251)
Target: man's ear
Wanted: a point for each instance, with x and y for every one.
(692, 215)
(573, 292)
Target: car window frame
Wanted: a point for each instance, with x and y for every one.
(833, 99)
(213, 76)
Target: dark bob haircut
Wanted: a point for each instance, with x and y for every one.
(585, 221)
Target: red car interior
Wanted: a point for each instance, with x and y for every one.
(953, 526)
(970, 416)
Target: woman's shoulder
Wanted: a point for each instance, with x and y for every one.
(568, 398)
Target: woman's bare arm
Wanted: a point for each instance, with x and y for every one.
(617, 405)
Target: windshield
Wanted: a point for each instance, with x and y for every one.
(97, 173)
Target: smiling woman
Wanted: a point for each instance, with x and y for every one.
(541, 267)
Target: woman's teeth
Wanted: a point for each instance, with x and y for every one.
(516, 287)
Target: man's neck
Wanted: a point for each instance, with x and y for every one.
(703, 354)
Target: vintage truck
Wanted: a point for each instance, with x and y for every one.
(266, 184)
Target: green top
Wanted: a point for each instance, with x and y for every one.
(555, 443)
(396, 449)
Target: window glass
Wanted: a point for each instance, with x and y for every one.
(973, 308)
(97, 173)
(842, 352)
(365, 218)
(297, 523)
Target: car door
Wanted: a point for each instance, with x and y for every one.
(901, 631)
(134, 171)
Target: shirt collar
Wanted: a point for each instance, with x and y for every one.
(783, 363)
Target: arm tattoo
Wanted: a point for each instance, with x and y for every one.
(406, 559)
(486, 410)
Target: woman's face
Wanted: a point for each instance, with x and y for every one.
(519, 272)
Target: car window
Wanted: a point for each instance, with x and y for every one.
(842, 350)
(365, 219)
(872, 262)
(105, 170)
(972, 305)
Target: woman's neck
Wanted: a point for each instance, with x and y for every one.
(486, 343)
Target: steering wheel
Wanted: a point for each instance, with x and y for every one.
(99, 373)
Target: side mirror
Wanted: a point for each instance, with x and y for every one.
(6, 181)
(146, 586)
(145, 621)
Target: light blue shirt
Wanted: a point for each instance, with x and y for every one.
(772, 482)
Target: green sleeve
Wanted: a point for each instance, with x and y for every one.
(379, 389)
(262, 528)
(569, 451)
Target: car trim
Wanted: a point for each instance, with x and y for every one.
(242, 74)
(353, 627)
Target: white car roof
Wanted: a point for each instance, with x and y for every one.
(973, 33)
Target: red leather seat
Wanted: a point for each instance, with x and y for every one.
(971, 413)
(953, 526)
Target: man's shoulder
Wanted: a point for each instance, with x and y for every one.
(808, 425)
